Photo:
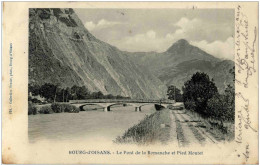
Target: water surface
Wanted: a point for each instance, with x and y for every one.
(86, 125)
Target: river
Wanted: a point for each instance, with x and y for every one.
(85, 125)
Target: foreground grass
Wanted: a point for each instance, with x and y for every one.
(152, 129)
(221, 132)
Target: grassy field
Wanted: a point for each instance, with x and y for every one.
(152, 129)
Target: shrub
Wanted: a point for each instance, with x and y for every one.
(61, 107)
(189, 104)
(220, 108)
(57, 107)
(215, 107)
(71, 108)
(46, 110)
(32, 110)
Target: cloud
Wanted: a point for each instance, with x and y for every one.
(218, 48)
(101, 24)
(197, 32)
(187, 25)
(143, 42)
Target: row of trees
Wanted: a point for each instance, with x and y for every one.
(201, 95)
(55, 93)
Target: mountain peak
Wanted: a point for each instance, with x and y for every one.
(180, 44)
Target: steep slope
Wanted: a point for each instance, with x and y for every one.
(181, 61)
(62, 51)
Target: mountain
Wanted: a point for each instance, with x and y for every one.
(62, 51)
(177, 64)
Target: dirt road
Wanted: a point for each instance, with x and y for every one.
(187, 130)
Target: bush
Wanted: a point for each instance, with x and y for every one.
(189, 104)
(32, 110)
(61, 107)
(71, 108)
(219, 108)
(57, 107)
(215, 107)
(46, 110)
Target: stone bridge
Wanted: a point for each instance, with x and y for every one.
(108, 103)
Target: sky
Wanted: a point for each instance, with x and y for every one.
(145, 30)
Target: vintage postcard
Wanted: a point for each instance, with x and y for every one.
(130, 83)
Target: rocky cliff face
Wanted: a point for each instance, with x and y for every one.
(62, 51)
(181, 61)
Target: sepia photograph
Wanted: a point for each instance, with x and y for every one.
(137, 76)
(130, 83)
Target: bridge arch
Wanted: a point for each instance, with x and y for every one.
(112, 104)
(105, 106)
(81, 107)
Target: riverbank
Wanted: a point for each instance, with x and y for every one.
(152, 129)
(52, 108)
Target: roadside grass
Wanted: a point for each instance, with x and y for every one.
(180, 134)
(152, 129)
(221, 132)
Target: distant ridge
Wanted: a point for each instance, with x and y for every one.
(181, 60)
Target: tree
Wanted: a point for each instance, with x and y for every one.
(79, 92)
(109, 96)
(34, 89)
(174, 93)
(55, 93)
(198, 90)
(82, 92)
(48, 91)
(229, 98)
(97, 95)
(67, 94)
